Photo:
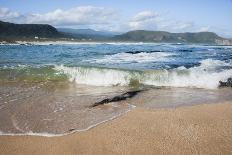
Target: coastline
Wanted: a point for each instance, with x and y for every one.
(70, 42)
(199, 129)
(48, 41)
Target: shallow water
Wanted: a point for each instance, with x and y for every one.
(60, 110)
(50, 88)
(37, 109)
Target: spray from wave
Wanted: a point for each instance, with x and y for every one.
(206, 75)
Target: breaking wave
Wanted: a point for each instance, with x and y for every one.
(131, 57)
(206, 75)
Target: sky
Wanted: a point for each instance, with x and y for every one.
(124, 15)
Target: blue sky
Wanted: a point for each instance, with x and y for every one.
(124, 15)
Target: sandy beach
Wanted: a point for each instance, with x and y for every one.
(115, 77)
(201, 129)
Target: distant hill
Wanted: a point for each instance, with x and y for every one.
(10, 30)
(87, 33)
(162, 36)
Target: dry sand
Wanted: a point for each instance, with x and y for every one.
(202, 129)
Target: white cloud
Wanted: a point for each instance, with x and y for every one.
(144, 20)
(150, 20)
(6, 14)
(83, 15)
(145, 15)
(205, 28)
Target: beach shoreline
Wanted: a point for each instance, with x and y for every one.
(199, 129)
(93, 42)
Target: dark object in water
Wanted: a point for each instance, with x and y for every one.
(228, 83)
(134, 52)
(72, 129)
(185, 50)
(121, 97)
(137, 52)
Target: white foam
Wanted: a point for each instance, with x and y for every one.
(130, 58)
(210, 63)
(30, 133)
(194, 78)
(95, 76)
(207, 75)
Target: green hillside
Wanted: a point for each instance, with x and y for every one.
(162, 36)
(10, 30)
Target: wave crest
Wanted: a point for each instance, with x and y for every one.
(207, 75)
(129, 57)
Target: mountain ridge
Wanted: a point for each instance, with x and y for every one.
(87, 33)
(11, 31)
(164, 36)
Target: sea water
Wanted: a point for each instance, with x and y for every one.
(49, 88)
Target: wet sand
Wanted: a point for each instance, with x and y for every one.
(200, 129)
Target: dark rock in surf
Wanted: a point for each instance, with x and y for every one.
(228, 83)
(121, 97)
(134, 52)
(185, 50)
(71, 130)
(137, 52)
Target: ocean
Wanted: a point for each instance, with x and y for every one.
(49, 89)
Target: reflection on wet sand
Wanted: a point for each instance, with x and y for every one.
(64, 108)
